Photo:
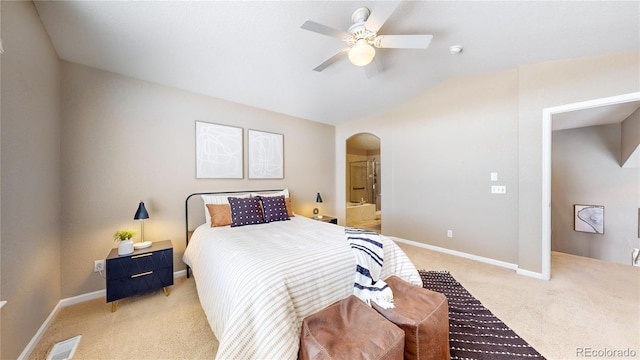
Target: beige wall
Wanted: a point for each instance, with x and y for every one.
(433, 179)
(439, 149)
(586, 171)
(125, 140)
(30, 248)
(1, 296)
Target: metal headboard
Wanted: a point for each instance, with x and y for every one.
(186, 208)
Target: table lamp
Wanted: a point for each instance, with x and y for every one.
(316, 211)
(141, 214)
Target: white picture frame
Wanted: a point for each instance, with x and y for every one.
(219, 151)
(266, 155)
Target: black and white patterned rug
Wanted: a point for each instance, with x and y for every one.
(474, 332)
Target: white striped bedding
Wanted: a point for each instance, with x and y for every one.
(256, 283)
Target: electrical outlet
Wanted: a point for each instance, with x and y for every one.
(450, 233)
(635, 257)
(98, 265)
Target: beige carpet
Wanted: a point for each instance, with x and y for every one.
(150, 326)
(373, 225)
(588, 304)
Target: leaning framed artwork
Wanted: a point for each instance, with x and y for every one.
(266, 155)
(588, 218)
(218, 151)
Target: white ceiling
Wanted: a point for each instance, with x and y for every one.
(254, 52)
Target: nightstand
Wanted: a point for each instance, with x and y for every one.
(142, 271)
(327, 219)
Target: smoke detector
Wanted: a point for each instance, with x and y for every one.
(455, 49)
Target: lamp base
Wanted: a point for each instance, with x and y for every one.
(142, 245)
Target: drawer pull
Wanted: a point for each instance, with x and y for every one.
(142, 274)
(141, 255)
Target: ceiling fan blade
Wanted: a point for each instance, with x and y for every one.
(403, 41)
(325, 30)
(340, 54)
(380, 14)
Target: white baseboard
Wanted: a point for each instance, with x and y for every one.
(180, 273)
(67, 302)
(458, 253)
(532, 274)
(82, 298)
(34, 340)
(485, 260)
(482, 259)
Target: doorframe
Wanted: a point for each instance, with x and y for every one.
(547, 120)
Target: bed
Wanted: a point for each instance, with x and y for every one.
(256, 283)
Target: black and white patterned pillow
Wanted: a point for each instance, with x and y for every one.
(245, 211)
(274, 208)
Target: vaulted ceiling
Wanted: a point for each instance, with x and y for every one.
(255, 53)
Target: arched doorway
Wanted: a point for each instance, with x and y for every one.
(363, 174)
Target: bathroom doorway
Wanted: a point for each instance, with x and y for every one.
(363, 174)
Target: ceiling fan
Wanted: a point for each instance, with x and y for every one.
(362, 37)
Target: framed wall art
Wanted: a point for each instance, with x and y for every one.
(218, 151)
(588, 218)
(266, 155)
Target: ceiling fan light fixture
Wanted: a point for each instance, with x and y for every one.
(361, 54)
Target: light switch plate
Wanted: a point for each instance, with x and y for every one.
(498, 189)
(494, 176)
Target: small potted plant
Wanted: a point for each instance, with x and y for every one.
(126, 244)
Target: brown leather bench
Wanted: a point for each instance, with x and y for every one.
(423, 315)
(350, 329)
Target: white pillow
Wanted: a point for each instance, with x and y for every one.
(218, 199)
(284, 192)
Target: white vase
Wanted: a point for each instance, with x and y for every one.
(125, 247)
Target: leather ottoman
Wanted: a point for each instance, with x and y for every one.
(350, 329)
(423, 315)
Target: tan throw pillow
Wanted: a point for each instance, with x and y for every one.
(220, 214)
(287, 203)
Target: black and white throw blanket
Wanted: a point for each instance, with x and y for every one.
(474, 332)
(369, 255)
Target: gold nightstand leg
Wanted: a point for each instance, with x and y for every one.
(114, 306)
(167, 291)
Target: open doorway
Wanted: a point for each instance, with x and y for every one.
(363, 173)
(549, 115)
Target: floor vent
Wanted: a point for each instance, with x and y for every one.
(64, 349)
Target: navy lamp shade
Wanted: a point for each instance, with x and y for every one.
(141, 214)
(316, 211)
